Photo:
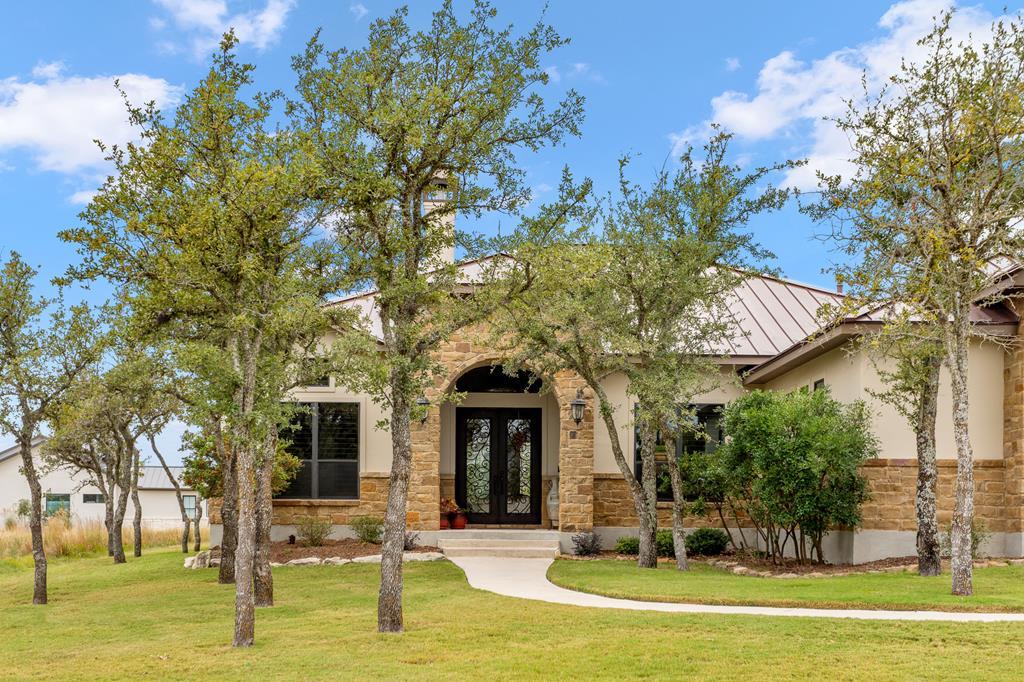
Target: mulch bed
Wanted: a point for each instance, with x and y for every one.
(756, 566)
(349, 548)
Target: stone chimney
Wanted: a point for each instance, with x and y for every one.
(442, 190)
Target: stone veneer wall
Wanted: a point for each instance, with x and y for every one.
(892, 482)
(1013, 432)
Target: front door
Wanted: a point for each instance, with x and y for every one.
(497, 464)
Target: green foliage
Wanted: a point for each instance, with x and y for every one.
(24, 509)
(790, 462)
(980, 534)
(368, 528)
(627, 545)
(706, 542)
(312, 530)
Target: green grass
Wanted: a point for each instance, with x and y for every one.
(995, 588)
(150, 618)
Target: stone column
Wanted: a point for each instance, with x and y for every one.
(575, 457)
(1013, 442)
(423, 509)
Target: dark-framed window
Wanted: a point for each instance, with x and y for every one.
(819, 385)
(93, 498)
(707, 417)
(57, 502)
(325, 437)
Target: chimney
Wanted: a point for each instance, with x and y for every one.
(440, 192)
(839, 284)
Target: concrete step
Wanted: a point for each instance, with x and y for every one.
(495, 542)
(499, 534)
(522, 551)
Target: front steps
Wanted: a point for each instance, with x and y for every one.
(519, 544)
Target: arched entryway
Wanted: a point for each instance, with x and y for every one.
(499, 446)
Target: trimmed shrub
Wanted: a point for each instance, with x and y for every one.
(706, 542)
(664, 544)
(368, 528)
(312, 531)
(586, 544)
(628, 545)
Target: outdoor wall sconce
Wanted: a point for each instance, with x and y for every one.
(577, 404)
(424, 403)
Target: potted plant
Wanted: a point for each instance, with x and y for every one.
(459, 519)
(448, 511)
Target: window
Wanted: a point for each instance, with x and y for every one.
(819, 385)
(57, 502)
(93, 498)
(706, 437)
(325, 438)
(190, 505)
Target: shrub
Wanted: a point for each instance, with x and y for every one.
(10, 523)
(24, 509)
(979, 536)
(662, 543)
(412, 540)
(368, 528)
(312, 531)
(706, 542)
(586, 544)
(628, 545)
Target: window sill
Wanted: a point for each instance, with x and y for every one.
(315, 503)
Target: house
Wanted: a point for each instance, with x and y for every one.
(63, 489)
(502, 450)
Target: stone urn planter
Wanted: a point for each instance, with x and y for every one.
(553, 503)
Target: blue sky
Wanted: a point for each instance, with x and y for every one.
(654, 75)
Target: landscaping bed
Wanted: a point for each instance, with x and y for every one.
(349, 548)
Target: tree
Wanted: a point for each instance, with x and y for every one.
(646, 295)
(209, 227)
(40, 359)
(911, 387)
(791, 464)
(935, 203)
(410, 131)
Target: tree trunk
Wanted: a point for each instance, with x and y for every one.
(108, 518)
(245, 606)
(118, 526)
(195, 522)
(264, 520)
(228, 514)
(184, 536)
(678, 511)
(137, 518)
(389, 601)
(177, 494)
(928, 557)
(35, 521)
(647, 509)
(963, 506)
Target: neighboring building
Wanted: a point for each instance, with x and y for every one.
(63, 489)
(499, 452)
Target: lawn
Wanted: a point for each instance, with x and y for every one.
(995, 588)
(150, 618)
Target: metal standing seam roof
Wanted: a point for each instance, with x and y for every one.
(155, 478)
(770, 314)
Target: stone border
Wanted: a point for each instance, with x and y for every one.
(202, 560)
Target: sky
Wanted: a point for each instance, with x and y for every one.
(655, 75)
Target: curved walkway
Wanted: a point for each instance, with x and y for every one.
(527, 579)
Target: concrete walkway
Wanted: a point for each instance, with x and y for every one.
(527, 579)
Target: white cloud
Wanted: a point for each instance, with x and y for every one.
(793, 96)
(732, 63)
(575, 71)
(358, 10)
(208, 20)
(57, 119)
(82, 196)
(47, 70)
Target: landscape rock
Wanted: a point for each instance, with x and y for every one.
(306, 561)
(372, 559)
(422, 556)
(214, 563)
(276, 564)
(740, 570)
(336, 561)
(201, 560)
(787, 576)
(189, 560)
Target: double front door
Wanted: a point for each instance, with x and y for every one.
(497, 464)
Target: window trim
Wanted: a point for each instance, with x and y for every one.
(637, 471)
(98, 498)
(314, 459)
(818, 385)
(46, 502)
